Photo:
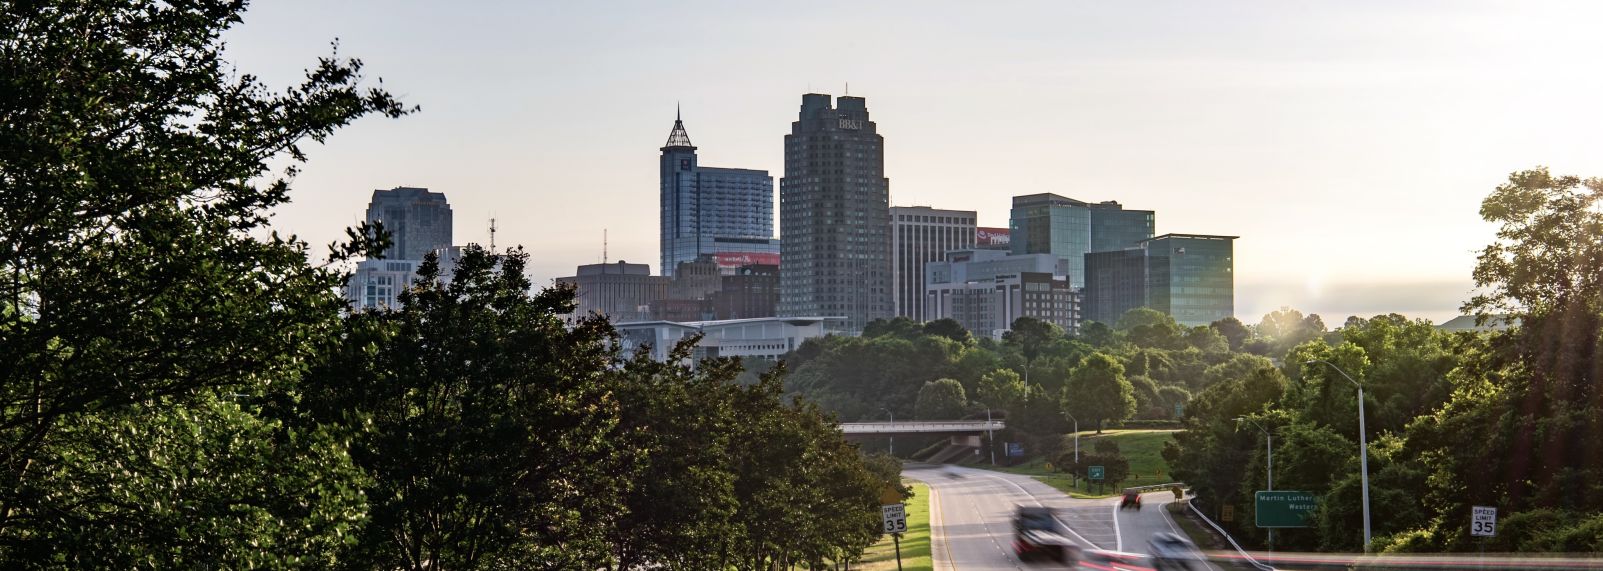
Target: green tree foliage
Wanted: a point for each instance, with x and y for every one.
(941, 399)
(1147, 327)
(895, 327)
(1041, 415)
(1032, 336)
(1105, 453)
(141, 292)
(1233, 331)
(1285, 328)
(489, 427)
(1002, 389)
(1097, 391)
(948, 328)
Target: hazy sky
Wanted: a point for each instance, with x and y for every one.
(1348, 143)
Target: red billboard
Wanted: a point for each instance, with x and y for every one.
(991, 237)
(731, 260)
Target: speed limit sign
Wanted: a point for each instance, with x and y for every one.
(895, 517)
(1483, 522)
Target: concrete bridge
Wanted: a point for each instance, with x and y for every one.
(948, 427)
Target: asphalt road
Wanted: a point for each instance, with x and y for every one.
(971, 519)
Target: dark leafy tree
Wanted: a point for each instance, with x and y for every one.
(941, 399)
(488, 425)
(950, 329)
(1097, 391)
(1233, 331)
(154, 331)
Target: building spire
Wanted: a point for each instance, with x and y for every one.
(678, 137)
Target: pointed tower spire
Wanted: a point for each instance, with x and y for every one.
(678, 137)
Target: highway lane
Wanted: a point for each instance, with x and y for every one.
(971, 519)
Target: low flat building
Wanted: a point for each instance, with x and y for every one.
(620, 290)
(765, 337)
(986, 290)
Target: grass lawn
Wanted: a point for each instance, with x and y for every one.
(915, 543)
(1143, 448)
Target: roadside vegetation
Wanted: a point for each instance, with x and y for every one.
(916, 543)
(185, 388)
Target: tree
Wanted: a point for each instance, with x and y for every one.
(1031, 336)
(941, 399)
(488, 426)
(149, 320)
(1233, 331)
(1098, 391)
(897, 327)
(1002, 389)
(950, 329)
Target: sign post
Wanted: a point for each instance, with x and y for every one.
(895, 519)
(1281, 509)
(1095, 474)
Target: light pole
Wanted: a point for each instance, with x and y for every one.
(1363, 444)
(1076, 447)
(989, 435)
(1270, 449)
(893, 428)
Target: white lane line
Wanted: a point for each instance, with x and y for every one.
(1169, 519)
(1066, 525)
(1118, 540)
(938, 531)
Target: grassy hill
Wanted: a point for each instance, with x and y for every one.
(1143, 448)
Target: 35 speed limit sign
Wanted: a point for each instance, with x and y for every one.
(1483, 522)
(895, 517)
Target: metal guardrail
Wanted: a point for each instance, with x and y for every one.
(916, 426)
(1227, 537)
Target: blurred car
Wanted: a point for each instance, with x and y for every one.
(1132, 499)
(1037, 535)
(1170, 551)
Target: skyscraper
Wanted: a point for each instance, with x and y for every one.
(418, 221)
(707, 210)
(919, 235)
(1188, 276)
(1069, 229)
(835, 215)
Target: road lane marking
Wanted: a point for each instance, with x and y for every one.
(1066, 525)
(1118, 540)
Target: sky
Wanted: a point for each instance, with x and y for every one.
(1348, 144)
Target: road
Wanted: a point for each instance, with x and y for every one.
(971, 514)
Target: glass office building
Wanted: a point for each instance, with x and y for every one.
(1070, 229)
(708, 210)
(1190, 277)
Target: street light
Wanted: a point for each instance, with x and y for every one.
(1076, 448)
(989, 435)
(1270, 447)
(1363, 444)
(893, 428)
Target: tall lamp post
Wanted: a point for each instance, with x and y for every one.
(989, 436)
(1363, 444)
(893, 427)
(1076, 446)
(1269, 446)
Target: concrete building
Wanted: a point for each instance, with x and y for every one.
(920, 235)
(766, 337)
(417, 220)
(1190, 277)
(1069, 228)
(751, 291)
(708, 210)
(620, 290)
(986, 290)
(378, 283)
(835, 215)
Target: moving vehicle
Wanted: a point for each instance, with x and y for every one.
(1132, 499)
(1037, 535)
(1170, 551)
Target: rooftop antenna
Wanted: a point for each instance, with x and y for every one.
(492, 235)
(603, 245)
(848, 89)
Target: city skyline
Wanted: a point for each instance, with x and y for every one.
(1349, 148)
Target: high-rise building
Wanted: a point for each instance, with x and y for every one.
(619, 290)
(985, 290)
(1069, 229)
(1191, 277)
(835, 215)
(708, 210)
(919, 235)
(417, 220)
(751, 291)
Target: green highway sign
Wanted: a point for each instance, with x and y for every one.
(1284, 509)
(1094, 473)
